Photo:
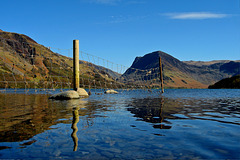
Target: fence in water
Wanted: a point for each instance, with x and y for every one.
(26, 64)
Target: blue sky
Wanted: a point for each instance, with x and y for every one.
(120, 30)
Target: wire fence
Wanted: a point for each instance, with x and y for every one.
(28, 65)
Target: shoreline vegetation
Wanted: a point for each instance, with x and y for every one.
(227, 83)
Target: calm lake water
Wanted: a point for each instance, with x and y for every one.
(179, 124)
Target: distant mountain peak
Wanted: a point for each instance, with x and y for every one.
(188, 74)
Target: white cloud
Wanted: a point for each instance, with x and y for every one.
(196, 15)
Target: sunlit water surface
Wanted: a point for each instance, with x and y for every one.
(179, 124)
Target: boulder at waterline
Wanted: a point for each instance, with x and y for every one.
(111, 91)
(82, 92)
(65, 95)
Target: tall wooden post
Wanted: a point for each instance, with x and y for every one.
(75, 64)
(161, 74)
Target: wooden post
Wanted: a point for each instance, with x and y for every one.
(161, 74)
(75, 64)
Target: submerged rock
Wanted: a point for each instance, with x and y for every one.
(111, 91)
(65, 95)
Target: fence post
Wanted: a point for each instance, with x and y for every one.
(75, 64)
(161, 74)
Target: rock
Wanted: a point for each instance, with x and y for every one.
(82, 92)
(111, 91)
(66, 95)
(70, 94)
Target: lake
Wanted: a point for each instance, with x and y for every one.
(135, 124)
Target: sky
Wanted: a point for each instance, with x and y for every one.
(120, 30)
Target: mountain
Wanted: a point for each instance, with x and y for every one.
(25, 62)
(181, 74)
(207, 63)
(233, 83)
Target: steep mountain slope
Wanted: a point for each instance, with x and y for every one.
(179, 74)
(23, 60)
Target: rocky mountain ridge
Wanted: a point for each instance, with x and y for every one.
(184, 74)
(207, 63)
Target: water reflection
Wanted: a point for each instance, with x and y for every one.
(75, 128)
(122, 126)
(149, 110)
(161, 111)
(23, 116)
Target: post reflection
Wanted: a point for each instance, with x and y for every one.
(150, 110)
(75, 128)
(160, 114)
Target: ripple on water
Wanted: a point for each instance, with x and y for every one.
(180, 124)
